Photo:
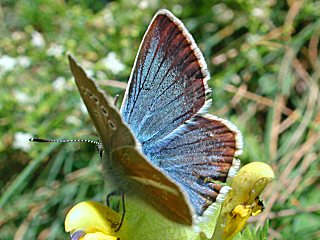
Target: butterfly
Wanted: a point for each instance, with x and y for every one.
(162, 146)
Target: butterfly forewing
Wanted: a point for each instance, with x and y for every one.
(167, 85)
(111, 129)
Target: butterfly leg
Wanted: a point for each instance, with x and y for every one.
(116, 98)
(100, 150)
(117, 193)
(123, 210)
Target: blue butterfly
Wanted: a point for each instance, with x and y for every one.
(163, 147)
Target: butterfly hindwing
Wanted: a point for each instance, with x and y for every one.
(168, 83)
(200, 157)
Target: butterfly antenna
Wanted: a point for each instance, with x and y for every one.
(99, 147)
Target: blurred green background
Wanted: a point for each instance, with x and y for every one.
(263, 57)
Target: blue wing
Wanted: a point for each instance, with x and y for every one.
(166, 94)
(200, 157)
(168, 83)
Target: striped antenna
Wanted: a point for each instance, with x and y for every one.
(63, 140)
(99, 147)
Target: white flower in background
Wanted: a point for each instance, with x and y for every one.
(55, 50)
(219, 8)
(90, 73)
(253, 39)
(37, 40)
(108, 17)
(143, 5)
(18, 36)
(7, 63)
(253, 55)
(73, 120)
(21, 97)
(59, 84)
(177, 9)
(227, 16)
(148, 4)
(112, 63)
(258, 12)
(21, 141)
(24, 61)
(101, 75)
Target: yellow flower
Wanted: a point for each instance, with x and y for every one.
(92, 220)
(222, 220)
(243, 199)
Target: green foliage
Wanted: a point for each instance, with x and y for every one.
(249, 233)
(263, 57)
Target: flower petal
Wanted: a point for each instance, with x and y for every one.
(99, 236)
(92, 217)
(243, 199)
